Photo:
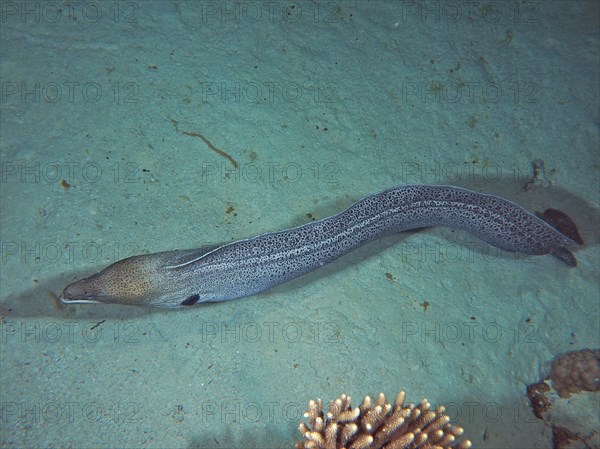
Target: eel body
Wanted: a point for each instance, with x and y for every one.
(246, 267)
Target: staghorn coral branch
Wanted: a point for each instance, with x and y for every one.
(378, 425)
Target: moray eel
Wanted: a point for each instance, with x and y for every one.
(246, 267)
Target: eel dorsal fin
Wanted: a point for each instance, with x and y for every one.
(562, 223)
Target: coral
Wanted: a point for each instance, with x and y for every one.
(575, 371)
(378, 425)
(537, 397)
(571, 425)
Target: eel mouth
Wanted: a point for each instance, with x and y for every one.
(75, 294)
(65, 300)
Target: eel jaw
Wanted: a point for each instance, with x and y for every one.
(78, 301)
